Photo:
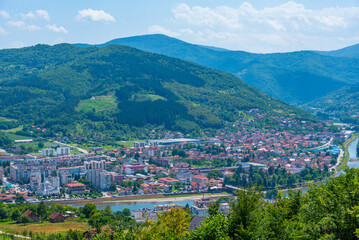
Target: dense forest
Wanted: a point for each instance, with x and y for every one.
(47, 84)
(294, 77)
(342, 104)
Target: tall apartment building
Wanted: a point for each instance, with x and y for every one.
(47, 152)
(35, 179)
(65, 177)
(63, 151)
(97, 175)
(22, 171)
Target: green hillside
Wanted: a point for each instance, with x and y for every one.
(295, 77)
(342, 104)
(117, 91)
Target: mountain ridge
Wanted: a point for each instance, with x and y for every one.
(324, 70)
(48, 83)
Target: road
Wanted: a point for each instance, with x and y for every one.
(324, 145)
(18, 236)
(341, 153)
(68, 145)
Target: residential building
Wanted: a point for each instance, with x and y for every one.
(35, 179)
(56, 217)
(131, 169)
(47, 152)
(200, 179)
(65, 177)
(75, 188)
(33, 216)
(63, 151)
(97, 175)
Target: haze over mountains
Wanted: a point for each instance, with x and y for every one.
(295, 77)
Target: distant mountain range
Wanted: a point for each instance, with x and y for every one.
(117, 91)
(295, 77)
(351, 51)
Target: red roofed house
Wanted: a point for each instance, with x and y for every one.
(33, 216)
(56, 217)
(75, 188)
(200, 179)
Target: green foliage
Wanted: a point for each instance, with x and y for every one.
(214, 174)
(24, 219)
(171, 225)
(88, 209)
(212, 228)
(113, 187)
(4, 141)
(42, 210)
(295, 77)
(53, 92)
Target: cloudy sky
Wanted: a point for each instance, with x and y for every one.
(255, 26)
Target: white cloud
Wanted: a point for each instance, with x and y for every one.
(16, 24)
(2, 31)
(22, 26)
(56, 29)
(162, 30)
(38, 14)
(4, 14)
(283, 27)
(94, 15)
(43, 14)
(32, 27)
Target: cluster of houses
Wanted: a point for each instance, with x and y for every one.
(55, 217)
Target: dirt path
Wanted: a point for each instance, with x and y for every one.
(18, 236)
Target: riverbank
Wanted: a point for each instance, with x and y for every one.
(345, 158)
(144, 199)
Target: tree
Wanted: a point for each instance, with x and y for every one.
(171, 225)
(214, 174)
(126, 212)
(134, 189)
(113, 187)
(245, 212)
(15, 214)
(3, 213)
(213, 228)
(24, 219)
(88, 209)
(42, 210)
(108, 209)
(213, 208)
(19, 198)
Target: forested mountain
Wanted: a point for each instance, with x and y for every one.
(343, 104)
(351, 51)
(295, 77)
(118, 90)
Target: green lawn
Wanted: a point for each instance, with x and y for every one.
(99, 103)
(45, 227)
(345, 157)
(13, 130)
(13, 136)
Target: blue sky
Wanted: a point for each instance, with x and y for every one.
(256, 26)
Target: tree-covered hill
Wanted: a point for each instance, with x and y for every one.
(295, 77)
(351, 51)
(343, 104)
(54, 86)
